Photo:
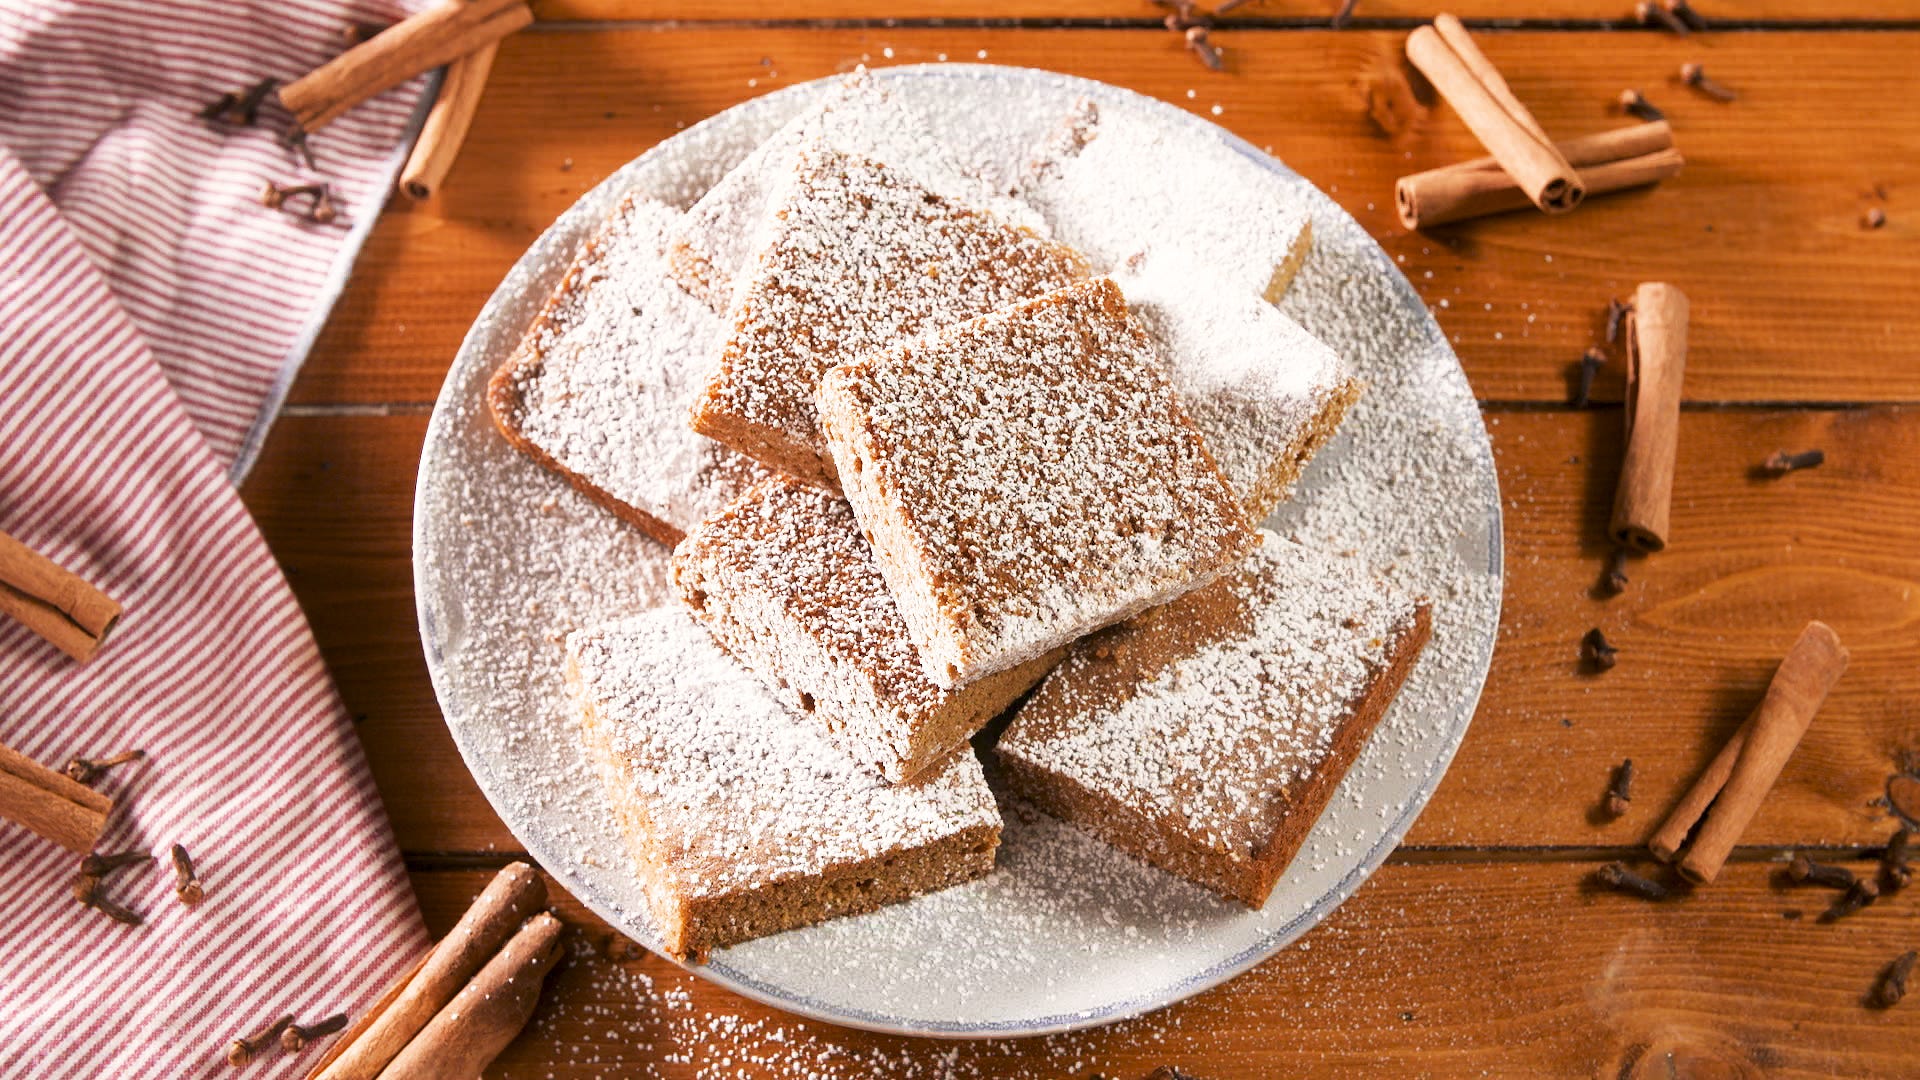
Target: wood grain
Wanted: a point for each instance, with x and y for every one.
(1456, 970)
(1793, 299)
(1286, 12)
(1699, 628)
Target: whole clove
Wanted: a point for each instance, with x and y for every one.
(319, 207)
(1613, 581)
(1207, 52)
(1646, 14)
(1804, 871)
(296, 1038)
(242, 1050)
(86, 889)
(1695, 76)
(101, 865)
(1345, 15)
(1858, 895)
(186, 883)
(239, 108)
(1590, 364)
(1618, 877)
(1893, 981)
(1620, 791)
(1894, 869)
(1636, 103)
(1780, 463)
(1873, 218)
(87, 770)
(1596, 653)
(1686, 13)
(295, 139)
(1616, 318)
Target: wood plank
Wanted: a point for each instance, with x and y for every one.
(1792, 299)
(1293, 12)
(1699, 630)
(1430, 970)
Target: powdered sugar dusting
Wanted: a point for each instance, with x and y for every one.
(735, 793)
(606, 382)
(1066, 932)
(1027, 477)
(1240, 690)
(855, 256)
(1260, 388)
(793, 586)
(859, 117)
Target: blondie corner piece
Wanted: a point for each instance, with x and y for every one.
(1026, 478)
(742, 821)
(787, 585)
(858, 256)
(1206, 737)
(599, 387)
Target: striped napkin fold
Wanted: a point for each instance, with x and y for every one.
(152, 314)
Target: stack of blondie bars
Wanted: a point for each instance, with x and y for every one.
(946, 455)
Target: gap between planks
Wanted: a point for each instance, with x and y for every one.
(1236, 24)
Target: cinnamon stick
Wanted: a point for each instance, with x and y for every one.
(54, 602)
(1447, 56)
(1672, 834)
(513, 896)
(70, 814)
(438, 35)
(447, 122)
(1607, 161)
(471, 1030)
(1765, 742)
(1656, 362)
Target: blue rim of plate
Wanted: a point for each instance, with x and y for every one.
(520, 277)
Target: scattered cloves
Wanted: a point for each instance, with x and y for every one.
(87, 770)
(319, 209)
(86, 889)
(186, 884)
(296, 1037)
(1858, 895)
(1894, 869)
(239, 108)
(1695, 76)
(1804, 871)
(1633, 101)
(1596, 653)
(1893, 981)
(1590, 364)
(1206, 50)
(1620, 792)
(1646, 14)
(1874, 218)
(1780, 463)
(242, 1050)
(1613, 581)
(1616, 876)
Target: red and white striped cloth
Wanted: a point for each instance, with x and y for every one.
(151, 313)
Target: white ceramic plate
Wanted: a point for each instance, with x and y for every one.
(1066, 933)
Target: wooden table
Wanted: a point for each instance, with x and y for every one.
(1476, 949)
